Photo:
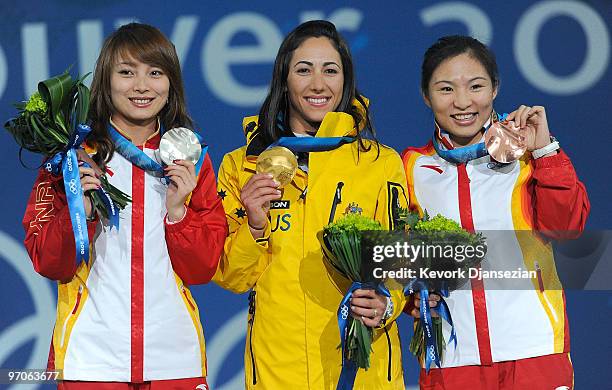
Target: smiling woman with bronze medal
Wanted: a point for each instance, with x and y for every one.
(310, 152)
(496, 172)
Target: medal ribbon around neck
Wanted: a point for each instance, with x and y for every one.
(308, 144)
(312, 144)
(139, 158)
(466, 153)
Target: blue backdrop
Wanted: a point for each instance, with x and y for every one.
(551, 53)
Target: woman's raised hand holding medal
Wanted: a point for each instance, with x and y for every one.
(183, 181)
(533, 121)
(256, 196)
(180, 150)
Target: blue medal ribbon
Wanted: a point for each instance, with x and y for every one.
(312, 144)
(132, 153)
(66, 161)
(460, 155)
(139, 158)
(349, 368)
(465, 153)
(111, 208)
(431, 355)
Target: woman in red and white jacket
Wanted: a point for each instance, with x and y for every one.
(126, 316)
(507, 338)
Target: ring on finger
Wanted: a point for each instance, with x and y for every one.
(375, 313)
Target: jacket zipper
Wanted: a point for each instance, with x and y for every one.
(73, 312)
(388, 365)
(539, 276)
(337, 199)
(251, 321)
(187, 297)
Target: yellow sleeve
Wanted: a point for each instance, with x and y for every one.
(244, 259)
(393, 194)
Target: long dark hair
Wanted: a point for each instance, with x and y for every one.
(276, 105)
(451, 46)
(146, 44)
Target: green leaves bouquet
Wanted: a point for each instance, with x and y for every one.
(428, 342)
(341, 244)
(53, 122)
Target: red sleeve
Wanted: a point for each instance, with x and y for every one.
(49, 239)
(196, 242)
(561, 201)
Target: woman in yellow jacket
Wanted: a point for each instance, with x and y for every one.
(272, 249)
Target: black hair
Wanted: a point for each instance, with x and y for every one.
(276, 105)
(452, 46)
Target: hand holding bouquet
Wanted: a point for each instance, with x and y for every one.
(53, 123)
(341, 243)
(428, 342)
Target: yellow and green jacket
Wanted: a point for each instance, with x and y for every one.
(292, 335)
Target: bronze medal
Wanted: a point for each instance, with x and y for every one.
(505, 141)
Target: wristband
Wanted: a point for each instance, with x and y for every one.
(389, 310)
(551, 147)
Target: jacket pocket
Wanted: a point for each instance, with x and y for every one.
(251, 321)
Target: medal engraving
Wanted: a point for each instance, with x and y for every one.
(278, 161)
(179, 143)
(505, 142)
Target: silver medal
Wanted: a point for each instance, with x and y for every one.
(179, 143)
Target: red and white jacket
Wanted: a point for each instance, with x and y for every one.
(128, 315)
(544, 195)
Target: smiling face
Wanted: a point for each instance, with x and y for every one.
(314, 84)
(139, 91)
(461, 94)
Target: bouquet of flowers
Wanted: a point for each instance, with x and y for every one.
(341, 244)
(53, 122)
(428, 342)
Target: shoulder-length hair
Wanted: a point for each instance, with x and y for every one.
(275, 107)
(146, 44)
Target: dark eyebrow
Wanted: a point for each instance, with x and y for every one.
(478, 78)
(303, 62)
(311, 64)
(330, 63)
(471, 80)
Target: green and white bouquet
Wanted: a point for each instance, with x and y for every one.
(427, 342)
(341, 244)
(53, 122)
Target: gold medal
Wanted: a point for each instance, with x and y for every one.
(505, 141)
(278, 161)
